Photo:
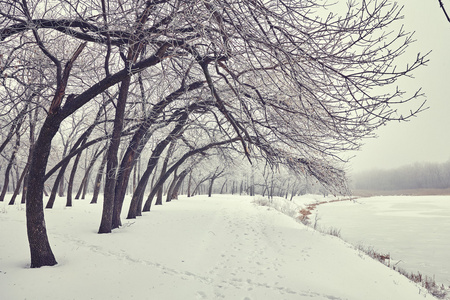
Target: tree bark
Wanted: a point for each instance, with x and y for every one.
(180, 180)
(41, 253)
(138, 195)
(177, 164)
(86, 185)
(135, 48)
(223, 185)
(11, 160)
(211, 186)
(84, 182)
(163, 171)
(17, 190)
(52, 198)
(98, 180)
(171, 187)
(8, 170)
(189, 184)
(137, 144)
(106, 224)
(71, 179)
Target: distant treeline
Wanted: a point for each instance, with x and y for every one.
(416, 176)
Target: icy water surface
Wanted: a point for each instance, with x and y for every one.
(415, 230)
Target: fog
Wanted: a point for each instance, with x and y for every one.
(414, 176)
(424, 138)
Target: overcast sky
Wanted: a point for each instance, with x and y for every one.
(425, 138)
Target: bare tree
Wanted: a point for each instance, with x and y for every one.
(441, 4)
(293, 83)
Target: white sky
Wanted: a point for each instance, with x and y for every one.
(425, 138)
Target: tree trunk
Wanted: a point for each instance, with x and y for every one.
(85, 186)
(292, 192)
(14, 179)
(189, 184)
(10, 164)
(172, 186)
(85, 181)
(177, 164)
(136, 201)
(223, 185)
(52, 198)
(61, 185)
(197, 187)
(211, 186)
(106, 224)
(41, 253)
(25, 181)
(71, 179)
(17, 190)
(135, 170)
(33, 121)
(163, 171)
(98, 180)
(181, 177)
(7, 173)
(138, 195)
(137, 143)
(16, 124)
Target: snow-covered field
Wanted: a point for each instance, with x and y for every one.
(413, 229)
(224, 247)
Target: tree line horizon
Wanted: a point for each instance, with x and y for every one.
(419, 175)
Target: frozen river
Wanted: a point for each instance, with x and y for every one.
(415, 230)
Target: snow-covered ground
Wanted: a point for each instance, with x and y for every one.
(224, 247)
(413, 229)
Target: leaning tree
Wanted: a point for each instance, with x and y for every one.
(294, 82)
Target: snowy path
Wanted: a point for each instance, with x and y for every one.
(197, 248)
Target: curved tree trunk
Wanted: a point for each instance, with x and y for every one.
(82, 141)
(137, 144)
(211, 183)
(189, 184)
(56, 185)
(25, 180)
(16, 124)
(71, 179)
(98, 180)
(138, 195)
(163, 170)
(106, 224)
(17, 190)
(136, 201)
(180, 180)
(10, 163)
(134, 50)
(223, 186)
(161, 180)
(85, 181)
(85, 186)
(8, 170)
(41, 253)
(171, 186)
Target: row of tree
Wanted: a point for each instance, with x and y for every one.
(145, 91)
(415, 176)
(206, 175)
